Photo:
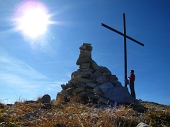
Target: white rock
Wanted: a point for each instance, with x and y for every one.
(141, 124)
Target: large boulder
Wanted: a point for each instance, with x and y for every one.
(118, 94)
(46, 101)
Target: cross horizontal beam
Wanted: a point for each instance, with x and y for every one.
(122, 34)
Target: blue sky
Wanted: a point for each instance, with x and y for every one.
(30, 68)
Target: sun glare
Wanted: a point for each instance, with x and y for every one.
(32, 19)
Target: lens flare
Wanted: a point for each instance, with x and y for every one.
(31, 18)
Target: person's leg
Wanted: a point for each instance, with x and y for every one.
(132, 90)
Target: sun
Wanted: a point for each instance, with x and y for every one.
(32, 18)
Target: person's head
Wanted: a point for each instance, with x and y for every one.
(132, 71)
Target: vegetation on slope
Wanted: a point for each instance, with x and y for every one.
(75, 114)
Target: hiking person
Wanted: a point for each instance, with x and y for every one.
(131, 82)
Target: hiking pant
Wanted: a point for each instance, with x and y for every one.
(132, 90)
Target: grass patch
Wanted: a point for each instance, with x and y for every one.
(75, 114)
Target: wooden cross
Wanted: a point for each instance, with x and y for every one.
(125, 36)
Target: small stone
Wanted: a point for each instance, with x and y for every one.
(46, 101)
(29, 115)
(83, 94)
(84, 66)
(94, 65)
(86, 44)
(2, 105)
(97, 90)
(89, 48)
(31, 101)
(83, 59)
(92, 96)
(76, 74)
(85, 53)
(77, 90)
(70, 91)
(69, 84)
(105, 69)
(70, 117)
(92, 85)
(102, 79)
(89, 90)
(66, 94)
(116, 83)
(83, 47)
(10, 105)
(106, 86)
(63, 87)
(103, 100)
(113, 78)
(46, 106)
(85, 74)
(84, 80)
(141, 124)
(96, 74)
(85, 69)
(81, 84)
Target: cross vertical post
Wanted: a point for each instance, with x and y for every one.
(125, 49)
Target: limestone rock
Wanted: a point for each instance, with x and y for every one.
(96, 74)
(1, 105)
(80, 89)
(102, 79)
(83, 80)
(141, 124)
(85, 53)
(86, 46)
(103, 100)
(116, 83)
(89, 47)
(89, 90)
(113, 78)
(97, 90)
(92, 96)
(83, 59)
(94, 65)
(63, 87)
(81, 84)
(83, 94)
(70, 91)
(69, 84)
(92, 85)
(106, 86)
(83, 47)
(105, 70)
(119, 94)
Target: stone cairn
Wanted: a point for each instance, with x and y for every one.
(95, 84)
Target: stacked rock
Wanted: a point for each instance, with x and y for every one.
(96, 84)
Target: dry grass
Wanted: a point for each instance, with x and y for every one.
(157, 115)
(75, 114)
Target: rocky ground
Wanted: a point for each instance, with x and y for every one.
(69, 114)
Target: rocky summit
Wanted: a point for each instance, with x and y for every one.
(96, 84)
